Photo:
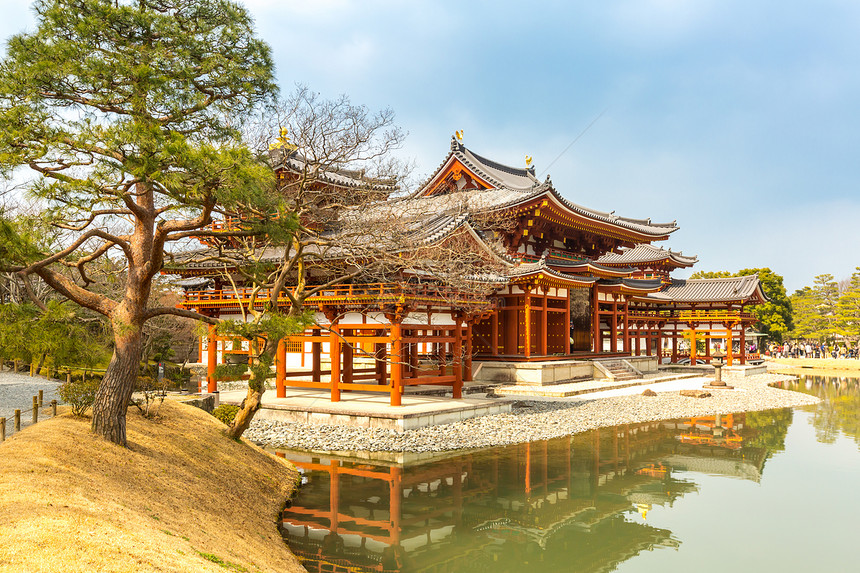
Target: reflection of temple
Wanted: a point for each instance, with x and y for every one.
(567, 504)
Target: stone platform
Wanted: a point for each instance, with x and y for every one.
(586, 386)
(551, 372)
(368, 409)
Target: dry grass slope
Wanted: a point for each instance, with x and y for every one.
(182, 497)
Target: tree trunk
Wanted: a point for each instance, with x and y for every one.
(114, 393)
(41, 363)
(250, 405)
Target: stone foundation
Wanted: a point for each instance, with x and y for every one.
(551, 372)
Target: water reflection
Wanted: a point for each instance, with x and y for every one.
(838, 413)
(525, 507)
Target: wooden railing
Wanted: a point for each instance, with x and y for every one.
(700, 315)
(375, 292)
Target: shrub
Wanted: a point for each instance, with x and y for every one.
(226, 413)
(79, 393)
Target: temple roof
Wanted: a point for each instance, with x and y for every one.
(645, 253)
(505, 187)
(294, 162)
(732, 289)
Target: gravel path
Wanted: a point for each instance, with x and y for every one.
(17, 391)
(533, 420)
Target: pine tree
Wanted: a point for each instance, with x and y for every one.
(127, 114)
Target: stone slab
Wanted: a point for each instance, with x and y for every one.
(369, 410)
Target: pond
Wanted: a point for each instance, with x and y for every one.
(758, 491)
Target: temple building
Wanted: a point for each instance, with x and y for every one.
(563, 284)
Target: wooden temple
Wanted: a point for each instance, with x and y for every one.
(567, 283)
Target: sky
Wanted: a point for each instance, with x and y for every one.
(738, 119)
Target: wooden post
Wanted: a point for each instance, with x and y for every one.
(41, 397)
(69, 376)
(595, 320)
(15, 366)
(334, 357)
(468, 373)
(494, 335)
(396, 366)
(692, 345)
(316, 364)
(281, 369)
(380, 360)
(613, 334)
(527, 315)
(743, 344)
(53, 408)
(458, 357)
(32, 369)
(729, 340)
(566, 329)
(35, 409)
(347, 358)
(17, 420)
(211, 361)
(544, 325)
(2, 430)
(675, 344)
(626, 327)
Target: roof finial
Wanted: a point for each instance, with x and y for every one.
(548, 180)
(528, 160)
(459, 134)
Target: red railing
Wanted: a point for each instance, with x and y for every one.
(355, 293)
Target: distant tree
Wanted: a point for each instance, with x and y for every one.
(826, 297)
(804, 315)
(848, 307)
(126, 113)
(711, 275)
(774, 317)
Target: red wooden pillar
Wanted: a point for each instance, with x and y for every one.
(348, 352)
(743, 344)
(458, 357)
(396, 365)
(281, 369)
(659, 344)
(566, 329)
(544, 325)
(626, 327)
(595, 320)
(380, 355)
(316, 352)
(527, 312)
(675, 344)
(494, 336)
(613, 335)
(412, 350)
(638, 342)
(692, 345)
(334, 356)
(468, 373)
(730, 335)
(211, 361)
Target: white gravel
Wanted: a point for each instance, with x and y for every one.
(17, 391)
(534, 420)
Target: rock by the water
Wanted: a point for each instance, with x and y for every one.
(695, 393)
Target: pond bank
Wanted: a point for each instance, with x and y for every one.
(535, 420)
(182, 497)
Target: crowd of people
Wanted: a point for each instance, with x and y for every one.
(806, 349)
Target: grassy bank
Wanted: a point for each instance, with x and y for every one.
(822, 366)
(183, 497)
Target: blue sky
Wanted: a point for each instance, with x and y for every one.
(739, 119)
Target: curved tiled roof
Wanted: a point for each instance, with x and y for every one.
(349, 178)
(512, 186)
(739, 289)
(645, 253)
